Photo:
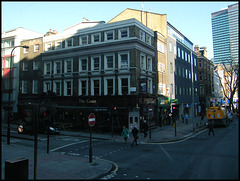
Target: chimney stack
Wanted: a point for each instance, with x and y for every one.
(196, 48)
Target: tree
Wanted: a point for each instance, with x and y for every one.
(229, 80)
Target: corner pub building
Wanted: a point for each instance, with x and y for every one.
(93, 67)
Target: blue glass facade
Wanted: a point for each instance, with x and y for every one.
(225, 35)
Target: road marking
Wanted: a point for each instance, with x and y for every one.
(68, 145)
(166, 153)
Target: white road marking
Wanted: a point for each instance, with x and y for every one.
(68, 145)
(166, 153)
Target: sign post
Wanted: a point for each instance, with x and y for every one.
(149, 125)
(91, 122)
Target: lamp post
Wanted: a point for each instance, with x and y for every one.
(9, 95)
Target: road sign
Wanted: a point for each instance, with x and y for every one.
(91, 120)
(150, 109)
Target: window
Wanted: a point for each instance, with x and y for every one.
(68, 87)
(160, 47)
(142, 36)
(96, 38)
(149, 64)
(182, 54)
(95, 87)
(109, 61)
(48, 46)
(46, 86)
(170, 47)
(69, 42)
(189, 59)
(186, 56)
(58, 45)
(109, 35)
(47, 68)
(7, 62)
(7, 43)
(58, 67)
(109, 84)
(83, 66)
(68, 66)
(25, 66)
(143, 62)
(35, 65)
(123, 60)
(179, 71)
(24, 87)
(35, 87)
(179, 53)
(83, 40)
(190, 91)
(175, 50)
(57, 87)
(195, 62)
(83, 87)
(96, 63)
(200, 76)
(176, 90)
(171, 67)
(186, 73)
(161, 68)
(200, 63)
(124, 85)
(183, 72)
(123, 33)
(195, 76)
(36, 47)
(148, 39)
(189, 74)
(25, 50)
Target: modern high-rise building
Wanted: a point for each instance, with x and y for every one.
(225, 34)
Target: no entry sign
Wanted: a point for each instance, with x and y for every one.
(91, 119)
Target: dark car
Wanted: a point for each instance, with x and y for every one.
(27, 128)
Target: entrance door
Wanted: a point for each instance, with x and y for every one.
(133, 120)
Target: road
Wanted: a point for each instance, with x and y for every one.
(200, 157)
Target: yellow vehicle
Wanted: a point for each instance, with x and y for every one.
(218, 115)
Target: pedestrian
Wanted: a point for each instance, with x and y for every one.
(135, 135)
(211, 128)
(182, 116)
(186, 117)
(145, 128)
(125, 134)
(202, 116)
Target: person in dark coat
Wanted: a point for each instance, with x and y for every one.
(135, 135)
(145, 128)
(211, 128)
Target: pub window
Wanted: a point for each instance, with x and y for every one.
(36, 47)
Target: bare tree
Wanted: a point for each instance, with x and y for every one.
(229, 81)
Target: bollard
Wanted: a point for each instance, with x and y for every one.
(16, 169)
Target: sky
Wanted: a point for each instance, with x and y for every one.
(191, 18)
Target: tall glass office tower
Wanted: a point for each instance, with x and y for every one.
(225, 35)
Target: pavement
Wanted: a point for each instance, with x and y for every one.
(56, 165)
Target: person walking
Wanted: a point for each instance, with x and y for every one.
(125, 134)
(145, 128)
(186, 117)
(135, 135)
(211, 128)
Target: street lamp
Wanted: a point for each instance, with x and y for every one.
(9, 95)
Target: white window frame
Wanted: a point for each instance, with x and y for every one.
(65, 65)
(80, 64)
(106, 85)
(148, 39)
(106, 35)
(182, 54)
(120, 33)
(66, 42)
(93, 40)
(106, 62)
(35, 65)
(45, 68)
(179, 52)
(92, 86)
(81, 41)
(120, 60)
(120, 84)
(24, 86)
(149, 63)
(142, 35)
(65, 87)
(48, 46)
(35, 47)
(58, 45)
(45, 87)
(25, 50)
(170, 47)
(55, 87)
(143, 61)
(195, 62)
(92, 63)
(35, 85)
(25, 66)
(150, 85)
(55, 67)
(80, 87)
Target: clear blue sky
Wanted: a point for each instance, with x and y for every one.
(192, 19)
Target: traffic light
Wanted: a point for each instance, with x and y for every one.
(115, 110)
(173, 107)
